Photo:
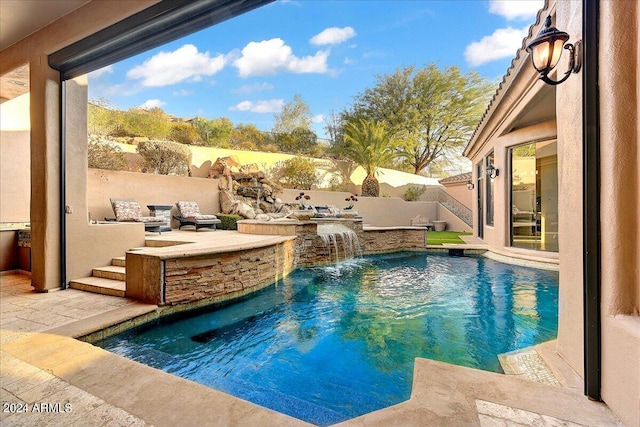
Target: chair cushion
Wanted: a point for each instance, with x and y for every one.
(148, 219)
(189, 209)
(126, 210)
(201, 217)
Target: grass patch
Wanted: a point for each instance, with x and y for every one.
(440, 237)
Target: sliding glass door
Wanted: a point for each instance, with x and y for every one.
(534, 196)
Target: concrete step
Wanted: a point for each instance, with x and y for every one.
(99, 285)
(112, 272)
(120, 261)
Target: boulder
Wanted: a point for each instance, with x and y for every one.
(222, 164)
(245, 211)
(249, 168)
(227, 202)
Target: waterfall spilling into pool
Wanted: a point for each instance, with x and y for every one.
(334, 233)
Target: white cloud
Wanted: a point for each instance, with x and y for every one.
(348, 61)
(104, 70)
(263, 106)
(183, 64)
(503, 43)
(256, 87)
(182, 92)
(512, 9)
(271, 56)
(152, 103)
(319, 118)
(333, 35)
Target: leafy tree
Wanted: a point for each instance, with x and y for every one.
(214, 132)
(247, 135)
(333, 125)
(222, 130)
(100, 116)
(165, 157)
(299, 141)
(153, 123)
(294, 115)
(204, 129)
(104, 154)
(370, 145)
(431, 111)
(183, 133)
(297, 172)
(292, 128)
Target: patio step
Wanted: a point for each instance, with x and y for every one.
(120, 261)
(99, 285)
(112, 272)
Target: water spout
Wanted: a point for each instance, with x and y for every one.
(329, 233)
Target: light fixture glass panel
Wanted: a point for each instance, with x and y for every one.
(540, 56)
(556, 53)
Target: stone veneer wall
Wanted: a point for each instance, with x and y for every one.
(392, 240)
(226, 274)
(217, 277)
(311, 250)
(209, 278)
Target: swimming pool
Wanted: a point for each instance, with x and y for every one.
(330, 343)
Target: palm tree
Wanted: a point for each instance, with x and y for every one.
(370, 145)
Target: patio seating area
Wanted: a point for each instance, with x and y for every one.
(129, 210)
(189, 215)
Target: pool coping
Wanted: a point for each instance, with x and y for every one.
(442, 394)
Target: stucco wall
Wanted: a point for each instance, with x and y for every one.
(377, 211)
(45, 123)
(569, 113)
(148, 189)
(15, 178)
(87, 245)
(620, 207)
(460, 192)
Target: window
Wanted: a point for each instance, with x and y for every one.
(480, 180)
(489, 160)
(534, 196)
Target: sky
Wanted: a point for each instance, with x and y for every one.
(327, 51)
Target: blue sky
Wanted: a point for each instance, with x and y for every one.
(327, 51)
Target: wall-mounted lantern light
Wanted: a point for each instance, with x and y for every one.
(469, 185)
(492, 171)
(546, 50)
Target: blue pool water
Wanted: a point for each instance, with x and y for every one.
(330, 343)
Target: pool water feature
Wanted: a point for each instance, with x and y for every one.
(330, 233)
(330, 343)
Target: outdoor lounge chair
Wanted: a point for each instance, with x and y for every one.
(189, 214)
(128, 210)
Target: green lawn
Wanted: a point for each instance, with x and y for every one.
(440, 237)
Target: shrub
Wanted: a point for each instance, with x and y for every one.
(270, 148)
(104, 154)
(183, 133)
(413, 193)
(228, 221)
(296, 172)
(165, 157)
